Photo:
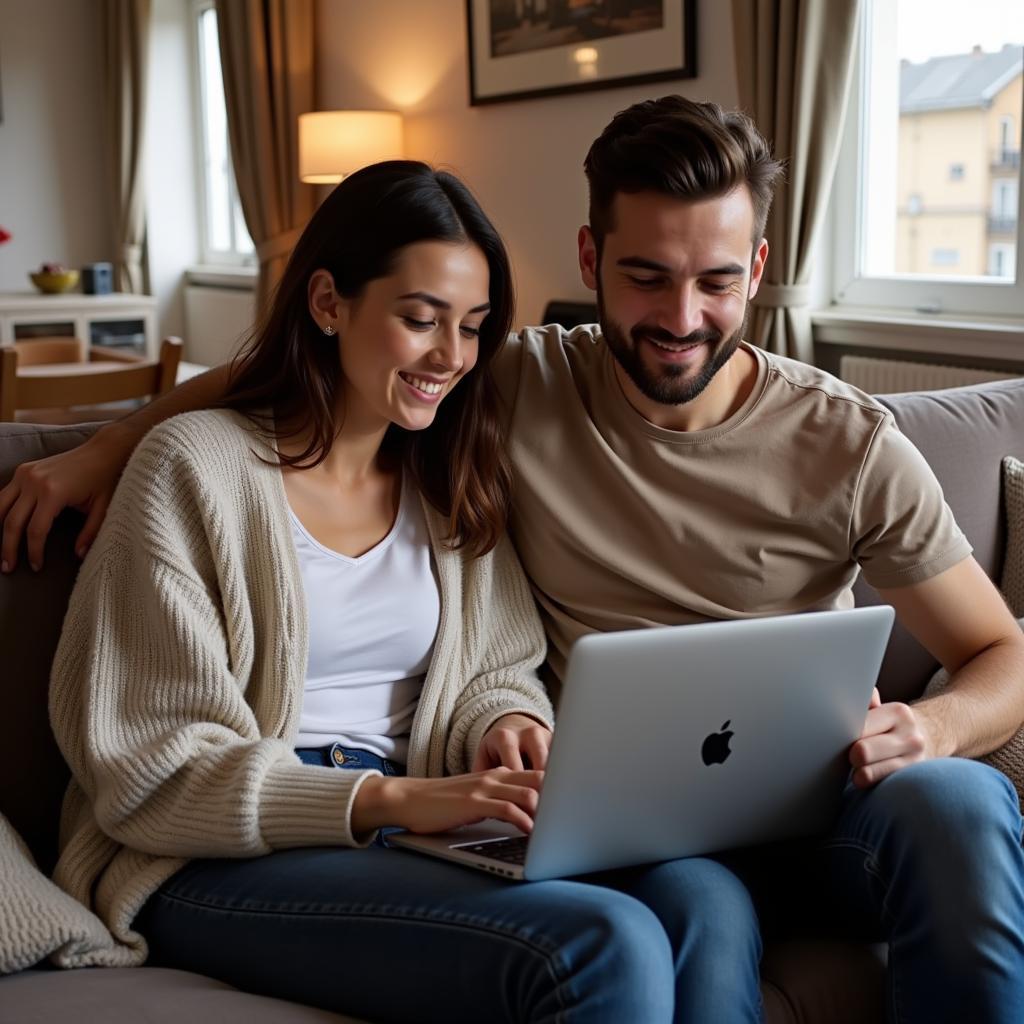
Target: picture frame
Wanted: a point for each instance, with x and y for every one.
(526, 49)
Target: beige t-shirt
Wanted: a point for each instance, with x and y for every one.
(621, 524)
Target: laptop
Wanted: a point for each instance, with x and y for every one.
(686, 740)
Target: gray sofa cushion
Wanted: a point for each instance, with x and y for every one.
(964, 434)
(32, 774)
(1009, 758)
(128, 995)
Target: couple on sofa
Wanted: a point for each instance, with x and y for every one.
(319, 566)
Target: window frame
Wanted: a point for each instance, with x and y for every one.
(210, 256)
(919, 293)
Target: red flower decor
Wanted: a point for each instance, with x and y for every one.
(5, 235)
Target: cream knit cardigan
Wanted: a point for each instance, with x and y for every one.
(178, 681)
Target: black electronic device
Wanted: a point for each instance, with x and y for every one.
(97, 279)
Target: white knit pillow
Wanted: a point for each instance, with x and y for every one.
(37, 918)
(1013, 567)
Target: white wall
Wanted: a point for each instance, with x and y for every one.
(523, 159)
(53, 192)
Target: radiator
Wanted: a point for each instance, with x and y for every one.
(216, 319)
(892, 376)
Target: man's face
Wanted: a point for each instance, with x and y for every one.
(672, 284)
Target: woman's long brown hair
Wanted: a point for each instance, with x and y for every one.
(285, 379)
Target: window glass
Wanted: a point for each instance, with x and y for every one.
(225, 236)
(942, 139)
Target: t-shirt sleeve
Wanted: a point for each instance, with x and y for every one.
(901, 531)
(507, 369)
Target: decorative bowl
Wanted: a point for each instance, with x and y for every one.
(53, 283)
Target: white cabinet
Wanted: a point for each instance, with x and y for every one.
(123, 321)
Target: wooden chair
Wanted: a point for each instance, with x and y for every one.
(37, 389)
(51, 350)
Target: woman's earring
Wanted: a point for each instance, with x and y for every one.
(329, 330)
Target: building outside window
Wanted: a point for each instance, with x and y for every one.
(930, 171)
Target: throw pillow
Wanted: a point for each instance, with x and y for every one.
(1013, 567)
(37, 918)
(1009, 758)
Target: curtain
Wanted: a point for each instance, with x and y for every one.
(126, 58)
(266, 52)
(794, 65)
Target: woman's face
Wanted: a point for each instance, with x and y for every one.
(408, 338)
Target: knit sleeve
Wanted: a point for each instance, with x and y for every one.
(159, 696)
(505, 639)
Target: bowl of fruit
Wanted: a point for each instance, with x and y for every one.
(53, 278)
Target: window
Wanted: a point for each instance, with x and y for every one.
(945, 258)
(1005, 133)
(926, 209)
(1000, 260)
(223, 231)
(1004, 203)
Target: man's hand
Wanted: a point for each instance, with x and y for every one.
(511, 742)
(83, 478)
(894, 736)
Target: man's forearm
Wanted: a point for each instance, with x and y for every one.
(983, 705)
(198, 393)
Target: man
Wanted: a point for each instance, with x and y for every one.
(668, 473)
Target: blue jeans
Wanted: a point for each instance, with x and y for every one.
(388, 935)
(930, 860)
(334, 755)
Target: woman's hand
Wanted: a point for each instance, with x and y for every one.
(514, 741)
(436, 805)
(83, 478)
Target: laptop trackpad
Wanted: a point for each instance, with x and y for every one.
(468, 835)
(486, 831)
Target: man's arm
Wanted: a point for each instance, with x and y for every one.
(961, 619)
(85, 477)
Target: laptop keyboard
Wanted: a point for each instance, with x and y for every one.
(509, 851)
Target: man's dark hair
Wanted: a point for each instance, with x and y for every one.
(679, 148)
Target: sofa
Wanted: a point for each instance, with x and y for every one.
(964, 434)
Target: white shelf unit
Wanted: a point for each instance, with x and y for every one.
(24, 315)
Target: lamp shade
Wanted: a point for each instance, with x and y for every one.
(333, 143)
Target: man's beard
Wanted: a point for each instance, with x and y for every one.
(668, 386)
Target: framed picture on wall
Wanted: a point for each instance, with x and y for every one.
(520, 49)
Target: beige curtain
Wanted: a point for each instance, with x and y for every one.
(266, 52)
(125, 60)
(794, 61)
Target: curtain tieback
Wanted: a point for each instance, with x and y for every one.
(776, 295)
(131, 254)
(279, 245)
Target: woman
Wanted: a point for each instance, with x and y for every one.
(302, 622)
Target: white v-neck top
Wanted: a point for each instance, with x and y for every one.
(372, 625)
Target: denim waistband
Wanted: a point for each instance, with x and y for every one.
(334, 755)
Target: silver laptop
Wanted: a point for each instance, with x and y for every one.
(687, 740)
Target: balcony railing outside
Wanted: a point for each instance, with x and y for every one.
(1002, 225)
(1006, 160)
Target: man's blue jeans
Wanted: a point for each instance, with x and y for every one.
(930, 859)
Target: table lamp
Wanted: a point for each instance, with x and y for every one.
(334, 143)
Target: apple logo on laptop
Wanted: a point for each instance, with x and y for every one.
(716, 747)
